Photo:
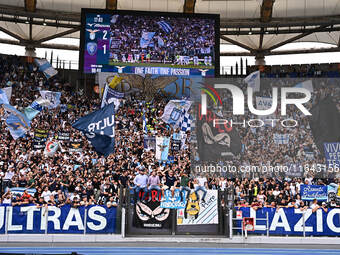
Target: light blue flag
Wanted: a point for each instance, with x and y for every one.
(16, 121)
(30, 112)
(3, 97)
(160, 41)
(45, 67)
(36, 107)
(162, 148)
(146, 38)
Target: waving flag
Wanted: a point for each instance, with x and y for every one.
(51, 148)
(36, 107)
(115, 81)
(111, 96)
(53, 97)
(145, 123)
(146, 38)
(45, 67)
(99, 129)
(185, 124)
(160, 41)
(17, 122)
(165, 26)
(3, 97)
(306, 84)
(162, 148)
(8, 93)
(253, 80)
(175, 111)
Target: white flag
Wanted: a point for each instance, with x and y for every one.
(51, 148)
(306, 85)
(53, 97)
(174, 112)
(253, 81)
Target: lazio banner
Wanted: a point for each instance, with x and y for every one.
(67, 220)
(289, 221)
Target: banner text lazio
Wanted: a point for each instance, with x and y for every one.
(289, 221)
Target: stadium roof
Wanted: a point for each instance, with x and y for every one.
(258, 26)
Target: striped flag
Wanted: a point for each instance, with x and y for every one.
(45, 67)
(165, 26)
(36, 107)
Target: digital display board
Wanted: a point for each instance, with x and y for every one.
(149, 43)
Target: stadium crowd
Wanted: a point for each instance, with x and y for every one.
(84, 178)
(179, 40)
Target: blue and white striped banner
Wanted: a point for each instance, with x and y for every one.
(45, 67)
(165, 26)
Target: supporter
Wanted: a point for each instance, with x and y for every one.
(314, 206)
(86, 178)
(184, 185)
(201, 185)
(153, 183)
(170, 183)
(7, 198)
(141, 181)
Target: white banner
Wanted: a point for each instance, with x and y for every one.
(53, 97)
(175, 111)
(197, 212)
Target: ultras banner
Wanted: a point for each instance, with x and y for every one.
(289, 221)
(66, 220)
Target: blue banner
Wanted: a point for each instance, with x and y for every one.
(289, 221)
(332, 154)
(66, 220)
(111, 96)
(176, 202)
(98, 127)
(310, 192)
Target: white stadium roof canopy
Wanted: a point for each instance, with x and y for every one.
(260, 27)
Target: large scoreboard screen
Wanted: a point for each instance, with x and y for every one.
(149, 43)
